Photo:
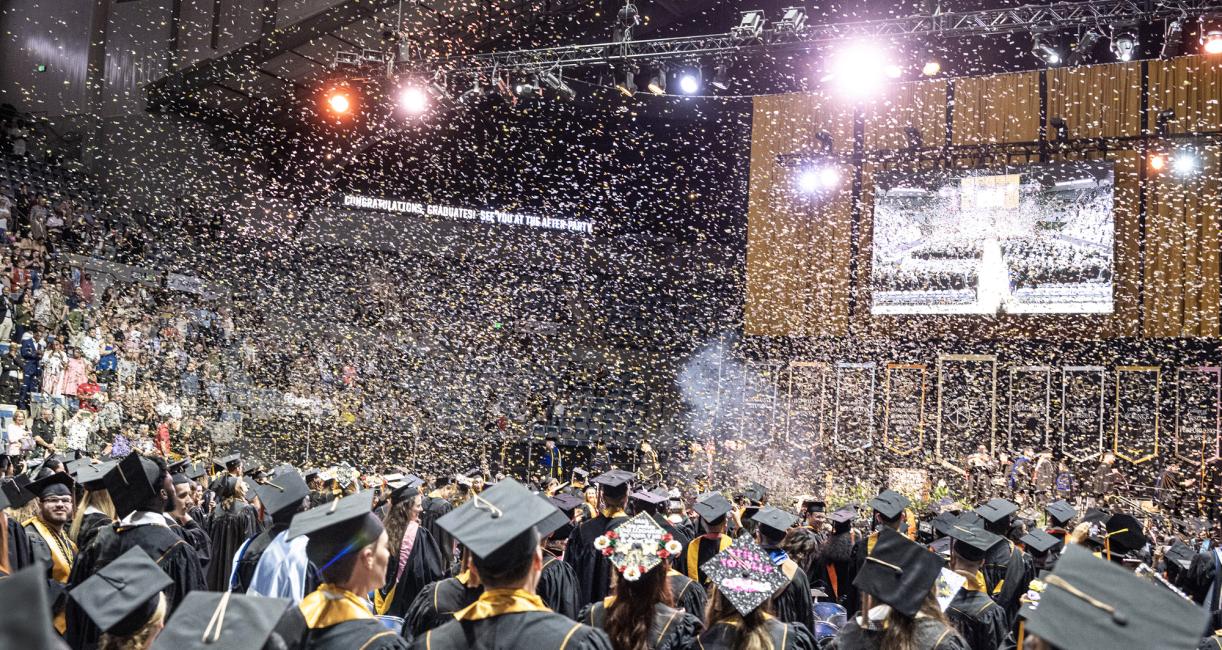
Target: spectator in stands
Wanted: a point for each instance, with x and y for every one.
(6, 212)
(31, 357)
(75, 373)
(54, 362)
(89, 393)
(44, 428)
(17, 443)
(10, 375)
(79, 430)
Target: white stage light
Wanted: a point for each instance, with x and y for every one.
(689, 83)
(1184, 163)
(818, 179)
(1211, 43)
(860, 70)
(414, 100)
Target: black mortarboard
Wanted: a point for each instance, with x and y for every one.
(1095, 515)
(843, 516)
(745, 575)
(890, 503)
(178, 466)
(286, 490)
(92, 477)
(566, 503)
(1180, 554)
(1060, 512)
(338, 528)
(554, 521)
(225, 462)
(310, 473)
(1092, 604)
(494, 524)
(208, 620)
(1124, 534)
(405, 491)
(195, 470)
(996, 510)
(971, 542)
(121, 597)
(73, 467)
(755, 492)
(1039, 542)
(943, 521)
(580, 475)
(15, 490)
(648, 501)
(614, 482)
(712, 506)
(55, 484)
(899, 572)
(813, 504)
(23, 618)
(775, 519)
(132, 483)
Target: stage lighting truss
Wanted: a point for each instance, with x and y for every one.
(1173, 36)
(1082, 48)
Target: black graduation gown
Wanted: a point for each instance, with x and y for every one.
(20, 553)
(198, 538)
(57, 592)
(1007, 562)
(834, 567)
(688, 594)
(708, 549)
(592, 569)
(681, 535)
(558, 586)
(228, 529)
(432, 509)
(526, 630)
(363, 633)
(197, 513)
(425, 565)
(671, 629)
(980, 621)
(253, 553)
(1202, 572)
(174, 555)
(793, 604)
(90, 525)
(724, 636)
(435, 606)
(930, 635)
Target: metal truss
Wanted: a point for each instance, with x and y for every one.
(776, 39)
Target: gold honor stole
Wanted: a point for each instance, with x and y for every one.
(330, 605)
(62, 553)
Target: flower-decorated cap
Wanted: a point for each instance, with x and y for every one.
(636, 546)
(745, 575)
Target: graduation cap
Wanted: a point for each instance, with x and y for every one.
(580, 475)
(554, 521)
(310, 473)
(1180, 554)
(15, 491)
(286, 490)
(23, 619)
(497, 525)
(132, 483)
(712, 506)
(1124, 534)
(73, 467)
(1060, 512)
(755, 492)
(745, 575)
(995, 510)
(122, 596)
(614, 482)
(943, 522)
(226, 462)
(1095, 515)
(971, 543)
(812, 504)
(774, 521)
(55, 484)
(338, 528)
(890, 503)
(210, 620)
(1090, 603)
(1039, 542)
(178, 466)
(899, 572)
(843, 516)
(566, 503)
(406, 488)
(637, 546)
(648, 501)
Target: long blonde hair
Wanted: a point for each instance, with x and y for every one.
(99, 499)
(752, 633)
(142, 638)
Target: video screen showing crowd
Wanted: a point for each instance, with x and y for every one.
(1038, 240)
(138, 553)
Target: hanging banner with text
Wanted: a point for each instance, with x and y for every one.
(1196, 414)
(904, 408)
(854, 421)
(1082, 391)
(1030, 408)
(759, 401)
(1135, 428)
(967, 406)
(467, 214)
(809, 385)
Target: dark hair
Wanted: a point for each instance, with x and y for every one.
(156, 503)
(396, 522)
(340, 569)
(630, 617)
(511, 563)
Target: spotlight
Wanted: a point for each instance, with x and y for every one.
(1157, 161)
(931, 68)
(553, 82)
(413, 99)
(625, 80)
(1124, 46)
(1211, 42)
(794, 20)
(1082, 49)
(1173, 37)
(526, 87)
(750, 26)
(721, 76)
(657, 82)
(818, 179)
(1184, 163)
(689, 80)
(1062, 128)
(860, 70)
(1043, 50)
(339, 102)
(625, 23)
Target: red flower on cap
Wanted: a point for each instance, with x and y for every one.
(612, 534)
(607, 552)
(666, 538)
(663, 554)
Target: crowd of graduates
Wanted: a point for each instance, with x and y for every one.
(137, 553)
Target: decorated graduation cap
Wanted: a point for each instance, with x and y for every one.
(614, 483)
(1180, 554)
(712, 506)
(996, 510)
(336, 529)
(636, 546)
(283, 491)
(1060, 512)
(899, 572)
(971, 542)
(774, 521)
(890, 503)
(132, 483)
(1039, 542)
(209, 620)
(122, 596)
(23, 619)
(498, 525)
(745, 575)
(1090, 603)
(54, 484)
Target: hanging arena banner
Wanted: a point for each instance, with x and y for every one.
(1029, 412)
(967, 406)
(809, 384)
(904, 407)
(1197, 423)
(854, 421)
(1082, 391)
(759, 397)
(1135, 434)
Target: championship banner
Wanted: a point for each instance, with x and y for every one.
(1029, 421)
(854, 420)
(759, 394)
(904, 407)
(1082, 390)
(1135, 429)
(967, 406)
(809, 386)
(1197, 421)
(912, 483)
